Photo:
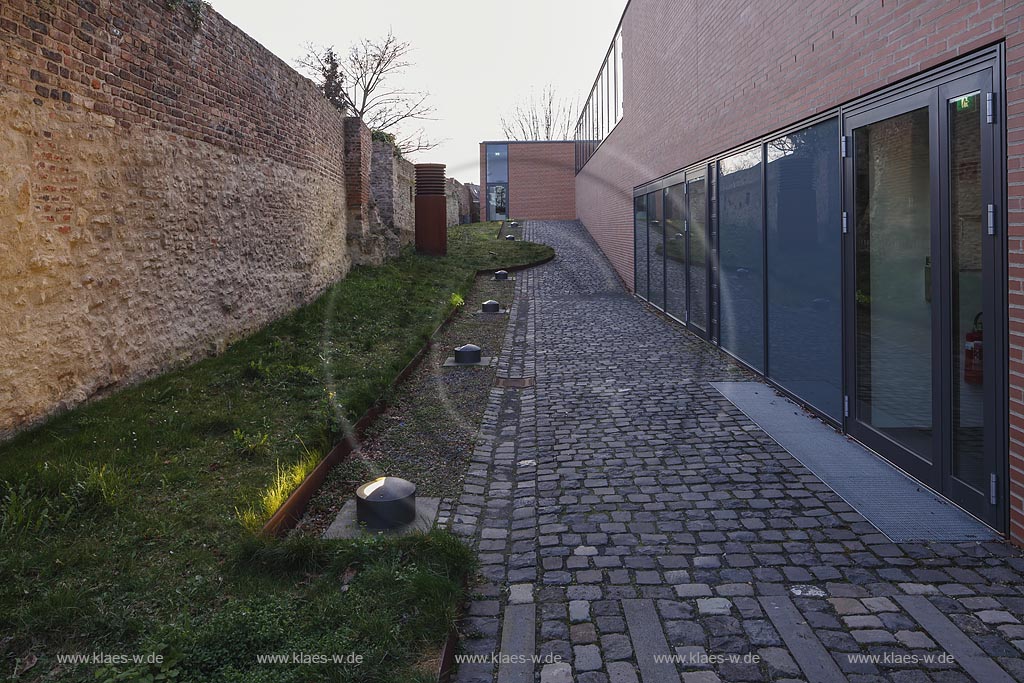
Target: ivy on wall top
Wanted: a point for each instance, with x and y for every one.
(195, 8)
(384, 136)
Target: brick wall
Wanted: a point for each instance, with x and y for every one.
(541, 180)
(701, 78)
(166, 189)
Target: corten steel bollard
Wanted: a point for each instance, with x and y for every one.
(431, 210)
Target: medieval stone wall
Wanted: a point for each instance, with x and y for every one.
(165, 188)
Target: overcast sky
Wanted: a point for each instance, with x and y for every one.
(474, 57)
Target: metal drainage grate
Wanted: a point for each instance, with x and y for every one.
(515, 382)
(898, 506)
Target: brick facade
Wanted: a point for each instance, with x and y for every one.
(541, 180)
(170, 187)
(541, 183)
(701, 78)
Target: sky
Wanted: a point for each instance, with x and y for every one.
(475, 57)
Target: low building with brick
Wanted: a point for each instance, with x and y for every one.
(527, 179)
(832, 195)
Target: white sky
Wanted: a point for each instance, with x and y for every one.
(475, 57)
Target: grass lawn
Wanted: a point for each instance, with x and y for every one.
(126, 524)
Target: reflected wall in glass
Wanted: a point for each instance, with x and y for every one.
(892, 195)
(640, 245)
(741, 257)
(697, 252)
(803, 211)
(655, 249)
(675, 251)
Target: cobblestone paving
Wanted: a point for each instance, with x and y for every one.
(624, 513)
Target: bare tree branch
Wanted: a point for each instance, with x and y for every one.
(543, 117)
(364, 87)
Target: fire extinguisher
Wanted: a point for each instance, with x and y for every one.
(972, 354)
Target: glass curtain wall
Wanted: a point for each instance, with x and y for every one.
(741, 257)
(697, 252)
(803, 207)
(655, 250)
(603, 108)
(779, 253)
(497, 182)
(640, 245)
(675, 252)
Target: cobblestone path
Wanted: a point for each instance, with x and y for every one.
(633, 525)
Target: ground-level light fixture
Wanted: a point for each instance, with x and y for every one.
(490, 306)
(501, 275)
(386, 503)
(511, 238)
(467, 354)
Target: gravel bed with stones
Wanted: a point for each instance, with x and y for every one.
(429, 428)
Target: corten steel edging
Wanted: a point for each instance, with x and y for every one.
(291, 511)
(523, 266)
(446, 666)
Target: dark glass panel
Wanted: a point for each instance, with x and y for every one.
(675, 251)
(741, 257)
(892, 198)
(804, 208)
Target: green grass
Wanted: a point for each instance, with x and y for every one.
(121, 521)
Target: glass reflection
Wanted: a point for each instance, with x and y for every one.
(675, 251)
(805, 264)
(741, 254)
(893, 279)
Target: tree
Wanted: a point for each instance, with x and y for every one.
(361, 84)
(323, 66)
(547, 117)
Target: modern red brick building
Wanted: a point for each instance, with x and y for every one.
(527, 179)
(833, 193)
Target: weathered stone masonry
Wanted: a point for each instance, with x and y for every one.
(393, 181)
(164, 189)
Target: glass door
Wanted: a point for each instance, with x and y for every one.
(497, 202)
(971, 469)
(921, 276)
(697, 253)
(895, 327)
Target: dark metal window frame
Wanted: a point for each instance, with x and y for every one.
(599, 115)
(932, 78)
(928, 88)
